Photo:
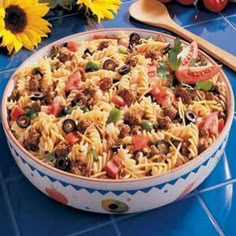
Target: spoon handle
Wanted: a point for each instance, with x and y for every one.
(216, 52)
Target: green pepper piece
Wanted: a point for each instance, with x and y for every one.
(204, 85)
(85, 109)
(123, 50)
(94, 154)
(147, 125)
(50, 156)
(54, 54)
(30, 113)
(92, 66)
(114, 115)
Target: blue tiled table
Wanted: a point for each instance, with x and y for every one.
(210, 210)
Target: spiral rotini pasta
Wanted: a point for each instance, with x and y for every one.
(114, 108)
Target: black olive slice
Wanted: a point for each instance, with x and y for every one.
(109, 65)
(68, 126)
(124, 70)
(63, 163)
(36, 71)
(23, 121)
(191, 116)
(163, 146)
(37, 96)
(134, 39)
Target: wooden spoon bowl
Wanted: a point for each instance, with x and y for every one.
(152, 12)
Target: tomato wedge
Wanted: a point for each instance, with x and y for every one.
(139, 142)
(191, 75)
(72, 138)
(188, 53)
(73, 81)
(212, 123)
(118, 101)
(221, 125)
(72, 46)
(112, 167)
(164, 96)
(16, 112)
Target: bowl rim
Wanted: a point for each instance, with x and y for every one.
(184, 167)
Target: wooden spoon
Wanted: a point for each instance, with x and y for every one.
(152, 12)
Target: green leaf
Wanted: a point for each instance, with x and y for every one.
(204, 85)
(94, 154)
(192, 63)
(162, 70)
(203, 62)
(177, 46)
(50, 156)
(174, 61)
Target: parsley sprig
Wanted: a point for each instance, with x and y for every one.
(162, 70)
(174, 61)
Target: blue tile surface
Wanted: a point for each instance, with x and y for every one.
(222, 204)
(6, 224)
(174, 219)
(27, 211)
(30, 205)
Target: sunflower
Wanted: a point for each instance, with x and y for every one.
(21, 24)
(102, 8)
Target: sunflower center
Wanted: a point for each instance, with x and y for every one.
(15, 19)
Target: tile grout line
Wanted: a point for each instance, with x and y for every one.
(210, 216)
(8, 70)
(10, 209)
(230, 24)
(90, 229)
(202, 22)
(115, 226)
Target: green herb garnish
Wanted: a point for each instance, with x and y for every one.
(147, 125)
(204, 85)
(54, 54)
(123, 50)
(162, 70)
(50, 156)
(94, 154)
(192, 63)
(85, 109)
(30, 113)
(174, 61)
(203, 62)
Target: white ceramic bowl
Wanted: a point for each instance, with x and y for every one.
(119, 196)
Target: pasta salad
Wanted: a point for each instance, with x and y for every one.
(118, 106)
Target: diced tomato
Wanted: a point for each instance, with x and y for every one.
(72, 46)
(211, 123)
(73, 81)
(152, 71)
(163, 95)
(99, 36)
(72, 138)
(118, 101)
(112, 167)
(123, 42)
(16, 112)
(139, 142)
(221, 125)
(191, 75)
(55, 109)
